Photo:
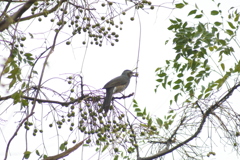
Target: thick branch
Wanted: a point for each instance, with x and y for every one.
(5, 10)
(204, 117)
(16, 16)
(44, 12)
(66, 153)
(79, 99)
(4, 24)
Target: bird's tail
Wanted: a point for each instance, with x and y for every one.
(107, 100)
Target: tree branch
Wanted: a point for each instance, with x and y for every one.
(44, 12)
(86, 96)
(204, 117)
(15, 133)
(67, 152)
(5, 10)
(4, 24)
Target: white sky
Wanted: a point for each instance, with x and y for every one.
(107, 62)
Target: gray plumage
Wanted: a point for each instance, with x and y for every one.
(116, 85)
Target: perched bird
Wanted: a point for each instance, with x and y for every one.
(116, 85)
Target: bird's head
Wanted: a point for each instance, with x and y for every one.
(130, 73)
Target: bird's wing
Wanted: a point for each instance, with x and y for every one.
(118, 81)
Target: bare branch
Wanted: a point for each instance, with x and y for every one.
(15, 133)
(67, 152)
(204, 117)
(42, 13)
(4, 24)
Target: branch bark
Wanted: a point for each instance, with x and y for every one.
(67, 152)
(198, 131)
(86, 96)
(4, 24)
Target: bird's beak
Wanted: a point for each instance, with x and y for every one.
(134, 74)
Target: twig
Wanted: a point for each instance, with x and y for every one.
(67, 152)
(15, 133)
(204, 118)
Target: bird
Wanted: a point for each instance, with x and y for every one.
(116, 85)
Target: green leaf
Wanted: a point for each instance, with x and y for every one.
(179, 5)
(137, 110)
(221, 81)
(231, 25)
(169, 83)
(15, 71)
(169, 116)
(116, 157)
(19, 57)
(200, 96)
(165, 82)
(27, 154)
(178, 81)
(159, 122)
(209, 89)
(173, 21)
(237, 67)
(223, 66)
(184, 25)
(159, 80)
(192, 12)
(135, 105)
(104, 148)
(149, 122)
(178, 55)
(211, 48)
(185, 2)
(12, 82)
(166, 126)
(134, 101)
(180, 75)
(28, 54)
(173, 117)
(62, 147)
(229, 32)
(23, 85)
(196, 6)
(188, 86)
(24, 102)
(31, 35)
(162, 74)
(207, 95)
(16, 97)
(166, 42)
(6, 70)
(236, 18)
(198, 16)
(176, 97)
(139, 114)
(157, 69)
(214, 12)
(15, 51)
(223, 42)
(190, 78)
(176, 87)
(37, 152)
(35, 72)
(144, 111)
